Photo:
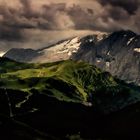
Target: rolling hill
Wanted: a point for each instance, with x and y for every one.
(69, 80)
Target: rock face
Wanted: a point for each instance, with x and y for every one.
(117, 53)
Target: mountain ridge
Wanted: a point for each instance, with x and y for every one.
(117, 53)
(65, 100)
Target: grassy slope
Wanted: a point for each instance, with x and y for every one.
(66, 79)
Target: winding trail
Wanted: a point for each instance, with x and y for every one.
(9, 104)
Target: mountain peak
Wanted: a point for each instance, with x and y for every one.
(117, 53)
(124, 33)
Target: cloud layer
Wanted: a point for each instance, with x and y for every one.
(18, 16)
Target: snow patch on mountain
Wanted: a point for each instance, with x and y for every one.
(1, 54)
(137, 50)
(60, 51)
(130, 40)
(69, 47)
(100, 36)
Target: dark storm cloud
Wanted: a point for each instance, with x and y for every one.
(26, 6)
(121, 14)
(49, 17)
(10, 34)
(118, 13)
(102, 15)
(7, 30)
(130, 6)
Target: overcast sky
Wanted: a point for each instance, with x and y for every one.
(37, 23)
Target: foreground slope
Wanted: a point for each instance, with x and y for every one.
(66, 81)
(66, 98)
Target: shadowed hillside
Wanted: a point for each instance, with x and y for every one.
(66, 100)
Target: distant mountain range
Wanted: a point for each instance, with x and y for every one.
(117, 53)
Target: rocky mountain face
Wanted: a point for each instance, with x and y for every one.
(117, 53)
(62, 50)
